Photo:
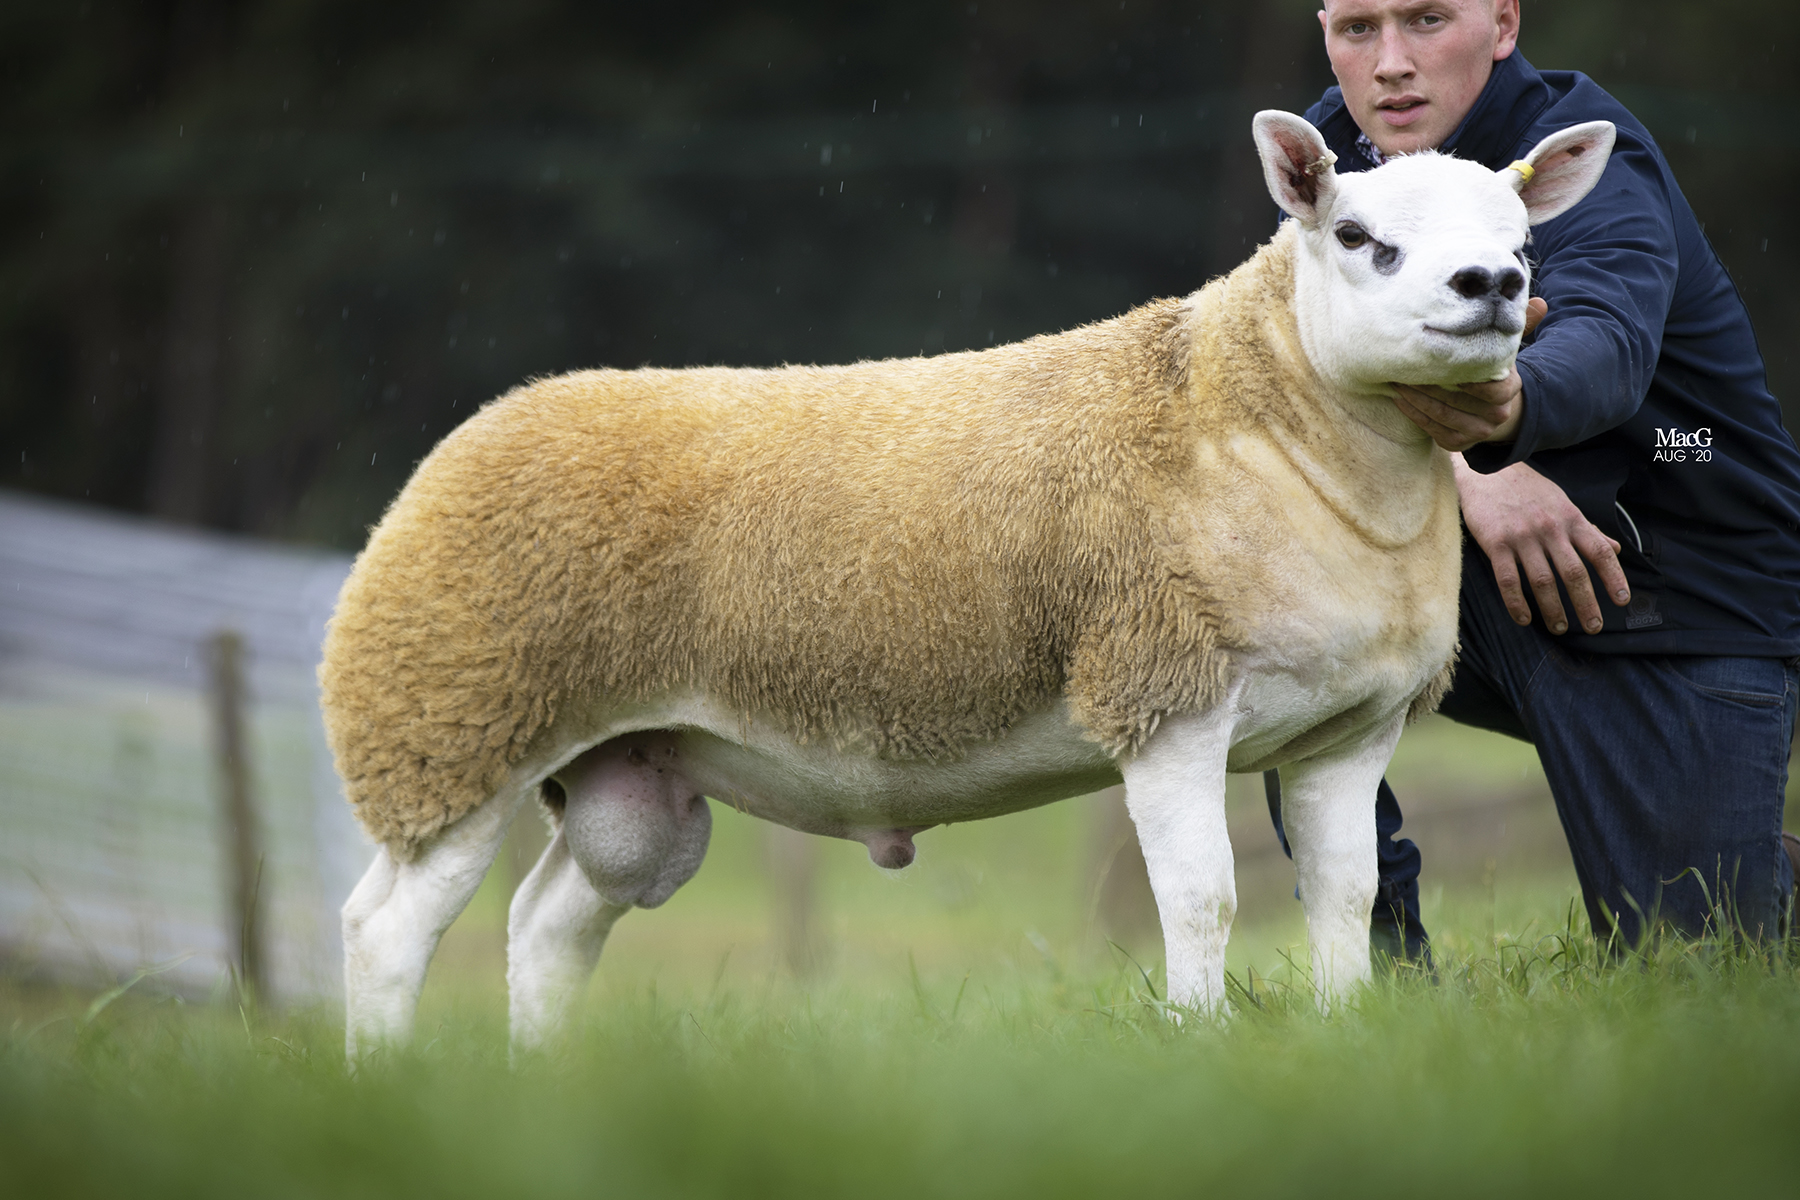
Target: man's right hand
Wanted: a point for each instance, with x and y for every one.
(1526, 523)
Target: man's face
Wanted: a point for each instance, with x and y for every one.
(1412, 69)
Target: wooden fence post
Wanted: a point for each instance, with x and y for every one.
(243, 861)
(1121, 904)
(794, 869)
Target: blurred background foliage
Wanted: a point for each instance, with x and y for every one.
(256, 257)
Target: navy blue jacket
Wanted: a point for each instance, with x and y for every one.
(1647, 350)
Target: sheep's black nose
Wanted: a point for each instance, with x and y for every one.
(1475, 282)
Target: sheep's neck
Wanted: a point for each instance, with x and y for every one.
(1369, 465)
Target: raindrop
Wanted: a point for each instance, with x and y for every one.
(393, 199)
(825, 155)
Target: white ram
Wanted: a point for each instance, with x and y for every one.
(865, 600)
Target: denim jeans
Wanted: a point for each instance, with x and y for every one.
(1669, 772)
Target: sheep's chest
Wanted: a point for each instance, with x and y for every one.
(1342, 600)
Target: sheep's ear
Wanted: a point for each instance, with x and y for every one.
(1561, 169)
(1296, 164)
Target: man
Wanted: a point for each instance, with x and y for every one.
(1636, 433)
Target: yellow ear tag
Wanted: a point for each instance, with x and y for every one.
(1525, 170)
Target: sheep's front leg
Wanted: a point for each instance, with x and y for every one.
(1175, 790)
(1328, 810)
(554, 934)
(397, 913)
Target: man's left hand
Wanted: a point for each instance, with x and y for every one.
(1460, 417)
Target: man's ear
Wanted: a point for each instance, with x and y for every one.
(1561, 169)
(1296, 165)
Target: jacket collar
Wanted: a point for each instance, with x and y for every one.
(1515, 96)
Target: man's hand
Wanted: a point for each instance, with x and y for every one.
(1525, 522)
(1457, 418)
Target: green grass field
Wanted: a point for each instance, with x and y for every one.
(1527, 1071)
(967, 1031)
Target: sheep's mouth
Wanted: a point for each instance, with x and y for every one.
(1504, 322)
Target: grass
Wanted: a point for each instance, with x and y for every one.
(968, 1034)
(1531, 1068)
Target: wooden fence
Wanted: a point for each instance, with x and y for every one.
(166, 796)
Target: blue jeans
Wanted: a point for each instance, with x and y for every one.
(1669, 772)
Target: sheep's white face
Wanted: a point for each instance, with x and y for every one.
(1416, 272)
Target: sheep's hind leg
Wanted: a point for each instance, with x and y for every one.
(554, 935)
(1328, 810)
(397, 913)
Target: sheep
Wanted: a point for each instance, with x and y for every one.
(865, 600)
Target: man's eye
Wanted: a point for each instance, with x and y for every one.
(1352, 236)
(1430, 21)
(1357, 28)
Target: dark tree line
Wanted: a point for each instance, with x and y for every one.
(256, 257)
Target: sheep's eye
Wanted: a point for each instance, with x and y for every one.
(1352, 236)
